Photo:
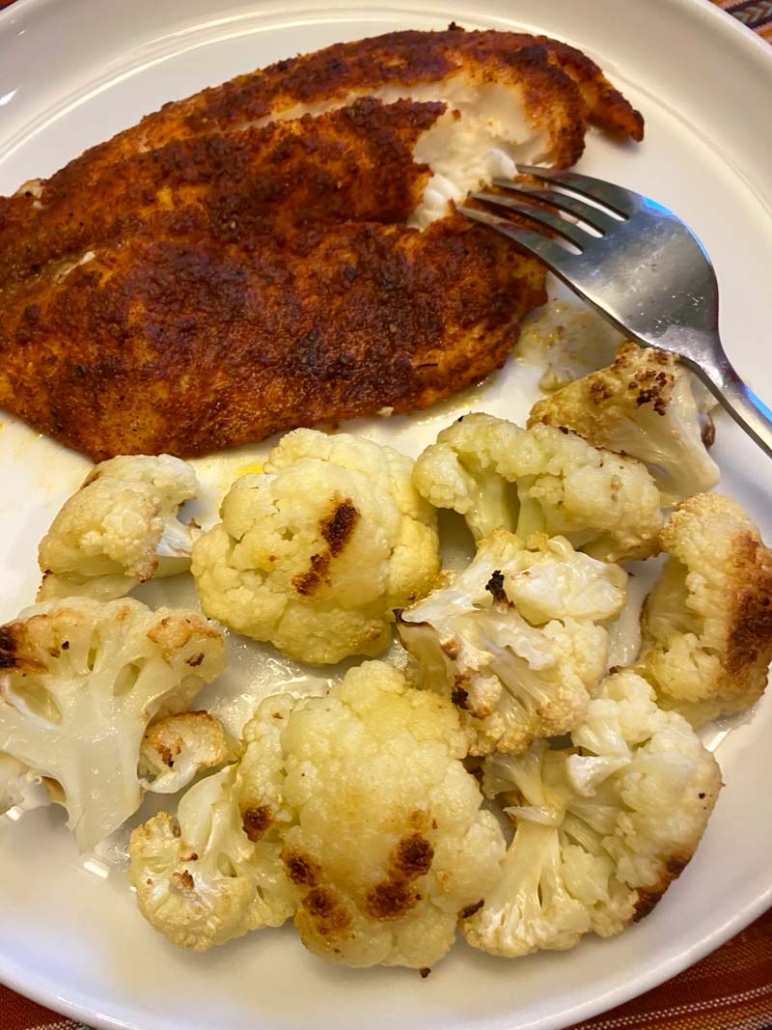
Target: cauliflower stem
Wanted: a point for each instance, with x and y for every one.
(601, 828)
(79, 683)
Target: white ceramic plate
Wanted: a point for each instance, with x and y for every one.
(71, 74)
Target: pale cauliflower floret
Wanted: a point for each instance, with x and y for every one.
(79, 683)
(214, 872)
(707, 624)
(353, 810)
(119, 529)
(606, 504)
(460, 472)
(390, 843)
(602, 828)
(642, 405)
(176, 748)
(315, 553)
(515, 638)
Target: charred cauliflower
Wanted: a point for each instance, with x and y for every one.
(119, 529)
(601, 828)
(213, 871)
(542, 480)
(641, 405)
(314, 553)
(79, 683)
(707, 624)
(516, 639)
(352, 810)
(176, 748)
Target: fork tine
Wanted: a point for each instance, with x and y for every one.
(568, 230)
(625, 202)
(587, 213)
(552, 254)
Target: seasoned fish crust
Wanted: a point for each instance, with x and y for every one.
(213, 345)
(246, 261)
(407, 60)
(352, 163)
(561, 89)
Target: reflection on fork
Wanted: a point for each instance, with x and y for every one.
(634, 261)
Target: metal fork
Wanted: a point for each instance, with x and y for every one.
(642, 268)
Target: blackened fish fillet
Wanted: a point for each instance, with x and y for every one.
(249, 260)
(215, 344)
(354, 163)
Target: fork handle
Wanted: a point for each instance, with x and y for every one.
(748, 410)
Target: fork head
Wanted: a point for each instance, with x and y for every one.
(630, 257)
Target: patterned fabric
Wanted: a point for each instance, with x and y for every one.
(17, 1013)
(729, 990)
(756, 14)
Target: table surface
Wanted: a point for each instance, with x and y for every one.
(730, 989)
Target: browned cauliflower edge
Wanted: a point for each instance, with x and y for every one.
(707, 624)
(80, 681)
(353, 811)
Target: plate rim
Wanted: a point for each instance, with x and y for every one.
(737, 35)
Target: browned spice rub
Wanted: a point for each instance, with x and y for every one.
(214, 275)
(193, 347)
(354, 163)
(407, 58)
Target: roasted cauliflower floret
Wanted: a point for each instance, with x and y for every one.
(214, 872)
(314, 553)
(460, 472)
(370, 827)
(641, 405)
(177, 747)
(542, 480)
(119, 529)
(516, 639)
(390, 842)
(602, 828)
(707, 624)
(79, 683)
